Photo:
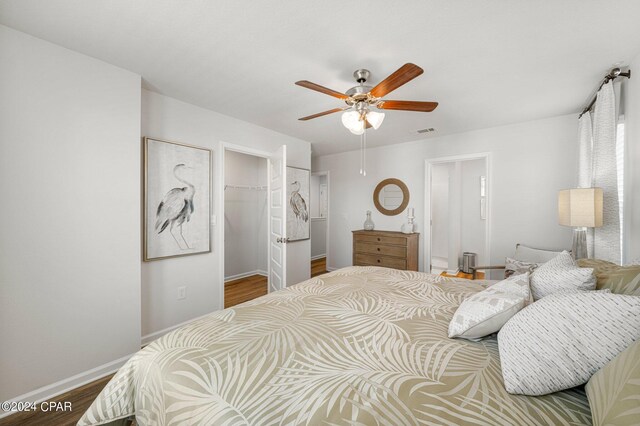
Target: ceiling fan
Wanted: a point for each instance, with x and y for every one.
(362, 98)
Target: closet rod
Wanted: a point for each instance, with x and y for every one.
(250, 187)
(612, 75)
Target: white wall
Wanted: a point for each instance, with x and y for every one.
(170, 119)
(70, 222)
(530, 162)
(631, 93)
(245, 215)
(263, 224)
(314, 196)
(318, 231)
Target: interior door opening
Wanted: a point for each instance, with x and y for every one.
(458, 214)
(246, 233)
(319, 233)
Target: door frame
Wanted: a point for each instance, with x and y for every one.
(326, 173)
(226, 146)
(486, 156)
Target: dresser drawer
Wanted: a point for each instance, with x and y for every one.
(380, 239)
(387, 262)
(396, 251)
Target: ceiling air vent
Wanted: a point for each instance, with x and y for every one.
(429, 130)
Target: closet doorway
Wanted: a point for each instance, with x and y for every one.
(457, 209)
(319, 209)
(246, 227)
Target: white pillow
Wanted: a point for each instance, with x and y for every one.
(560, 341)
(561, 273)
(486, 312)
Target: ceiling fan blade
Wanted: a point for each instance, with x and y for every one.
(320, 114)
(403, 75)
(408, 105)
(321, 89)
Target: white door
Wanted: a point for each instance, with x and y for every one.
(277, 220)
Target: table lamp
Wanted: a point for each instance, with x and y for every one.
(580, 208)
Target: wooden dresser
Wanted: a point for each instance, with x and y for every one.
(385, 248)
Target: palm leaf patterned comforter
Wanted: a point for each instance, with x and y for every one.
(358, 346)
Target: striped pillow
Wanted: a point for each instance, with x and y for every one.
(560, 341)
(560, 274)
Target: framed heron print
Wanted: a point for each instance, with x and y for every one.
(177, 199)
(298, 204)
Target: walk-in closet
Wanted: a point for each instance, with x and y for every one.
(245, 227)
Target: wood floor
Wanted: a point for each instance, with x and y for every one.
(244, 289)
(318, 267)
(235, 292)
(80, 399)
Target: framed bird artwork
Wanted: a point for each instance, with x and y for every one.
(177, 199)
(298, 204)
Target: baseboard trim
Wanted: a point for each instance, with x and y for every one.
(331, 269)
(453, 272)
(245, 275)
(48, 392)
(320, 256)
(146, 339)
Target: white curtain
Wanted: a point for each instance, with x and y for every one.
(585, 163)
(606, 239)
(585, 133)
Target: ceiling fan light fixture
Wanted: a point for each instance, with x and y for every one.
(375, 119)
(351, 120)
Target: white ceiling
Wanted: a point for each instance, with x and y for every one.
(488, 63)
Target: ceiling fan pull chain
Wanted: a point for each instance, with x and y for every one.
(364, 152)
(360, 154)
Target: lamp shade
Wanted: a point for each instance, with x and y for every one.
(351, 120)
(375, 119)
(580, 207)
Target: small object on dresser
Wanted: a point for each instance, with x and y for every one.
(368, 224)
(409, 227)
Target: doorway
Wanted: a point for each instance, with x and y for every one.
(243, 171)
(319, 234)
(457, 209)
(246, 235)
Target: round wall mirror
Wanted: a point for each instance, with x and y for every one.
(391, 197)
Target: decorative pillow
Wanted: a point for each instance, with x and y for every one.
(561, 273)
(560, 341)
(614, 391)
(620, 279)
(516, 267)
(486, 312)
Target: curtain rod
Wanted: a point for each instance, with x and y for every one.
(612, 75)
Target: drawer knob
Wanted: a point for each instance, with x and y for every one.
(378, 239)
(378, 260)
(378, 248)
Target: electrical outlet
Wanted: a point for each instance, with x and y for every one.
(182, 292)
